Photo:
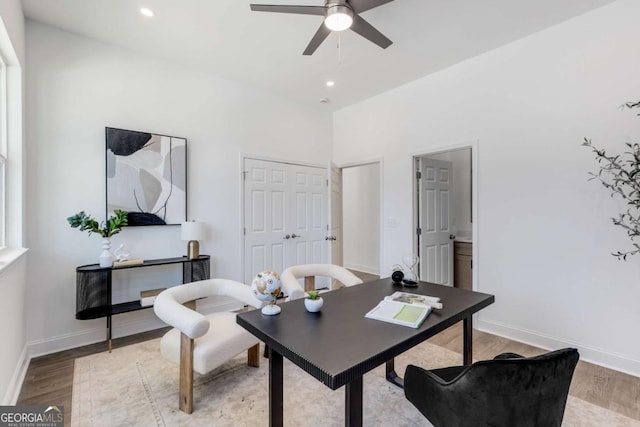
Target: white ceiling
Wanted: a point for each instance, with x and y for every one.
(265, 49)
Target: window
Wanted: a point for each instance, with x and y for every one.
(11, 152)
(3, 149)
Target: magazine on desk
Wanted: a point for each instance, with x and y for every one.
(405, 309)
(407, 298)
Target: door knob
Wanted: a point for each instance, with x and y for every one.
(334, 238)
(294, 235)
(452, 236)
(287, 237)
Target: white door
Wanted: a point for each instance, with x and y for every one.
(436, 244)
(335, 237)
(285, 217)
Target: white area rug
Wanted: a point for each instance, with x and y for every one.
(135, 386)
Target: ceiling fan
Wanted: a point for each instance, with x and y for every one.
(339, 15)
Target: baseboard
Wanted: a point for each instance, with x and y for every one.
(123, 325)
(589, 354)
(13, 391)
(363, 268)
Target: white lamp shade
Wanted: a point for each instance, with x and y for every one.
(192, 230)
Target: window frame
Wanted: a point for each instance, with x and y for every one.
(4, 120)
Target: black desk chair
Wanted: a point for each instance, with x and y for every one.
(507, 391)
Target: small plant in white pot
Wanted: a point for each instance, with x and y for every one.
(313, 301)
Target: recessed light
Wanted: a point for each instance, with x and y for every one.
(146, 12)
(331, 83)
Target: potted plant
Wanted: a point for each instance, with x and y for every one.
(620, 174)
(112, 226)
(313, 301)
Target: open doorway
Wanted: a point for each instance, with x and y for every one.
(361, 219)
(444, 215)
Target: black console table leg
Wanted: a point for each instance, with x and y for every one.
(109, 331)
(275, 389)
(353, 403)
(391, 374)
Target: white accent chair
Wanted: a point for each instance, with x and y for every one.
(290, 276)
(202, 343)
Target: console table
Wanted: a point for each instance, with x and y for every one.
(93, 287)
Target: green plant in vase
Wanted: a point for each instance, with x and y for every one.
(313, 295)
(106, 229)
(313, 301)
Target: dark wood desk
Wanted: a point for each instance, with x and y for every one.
(339, 345)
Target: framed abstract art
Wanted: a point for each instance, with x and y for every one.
(147, 176)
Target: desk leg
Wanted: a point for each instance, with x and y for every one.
(391, 374)
(353, 403)
(275, 388)
(467, 352)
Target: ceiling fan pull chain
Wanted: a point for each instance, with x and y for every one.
(339, 48)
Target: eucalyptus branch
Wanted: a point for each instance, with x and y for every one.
(620, 174)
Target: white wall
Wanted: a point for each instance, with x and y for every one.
(76, 87)
(461, 165)
(544, 232)
(13, 278)
(361, 217)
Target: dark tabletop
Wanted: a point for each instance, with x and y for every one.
(339, 344)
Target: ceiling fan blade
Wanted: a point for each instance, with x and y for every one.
(301, 10)
(367, 31)
(317, 39)
(360, 6)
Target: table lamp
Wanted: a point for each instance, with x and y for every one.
(192, 231)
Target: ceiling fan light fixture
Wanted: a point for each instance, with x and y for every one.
(339, 17)
(146, 12)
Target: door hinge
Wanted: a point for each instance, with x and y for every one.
(327, 182)
(419, 231)
(244, 175)
(418, 175)
(327, 227)
(244, 231)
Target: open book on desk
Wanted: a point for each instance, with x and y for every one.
(400, 313)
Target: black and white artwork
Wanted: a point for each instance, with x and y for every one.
(147, 176)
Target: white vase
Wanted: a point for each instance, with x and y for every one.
(313, 305)
(106, 257)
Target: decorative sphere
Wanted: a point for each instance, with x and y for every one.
(397, 276)
(266, 285)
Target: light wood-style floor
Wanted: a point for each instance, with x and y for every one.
(49, 379)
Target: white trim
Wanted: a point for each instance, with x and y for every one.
(17, 379)
(363, 268)
(473, 144)
(9, 256)
(332, 166)
(360, 163)
(280, 160)
(380, 162)
(597, 356)
(120, 328)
